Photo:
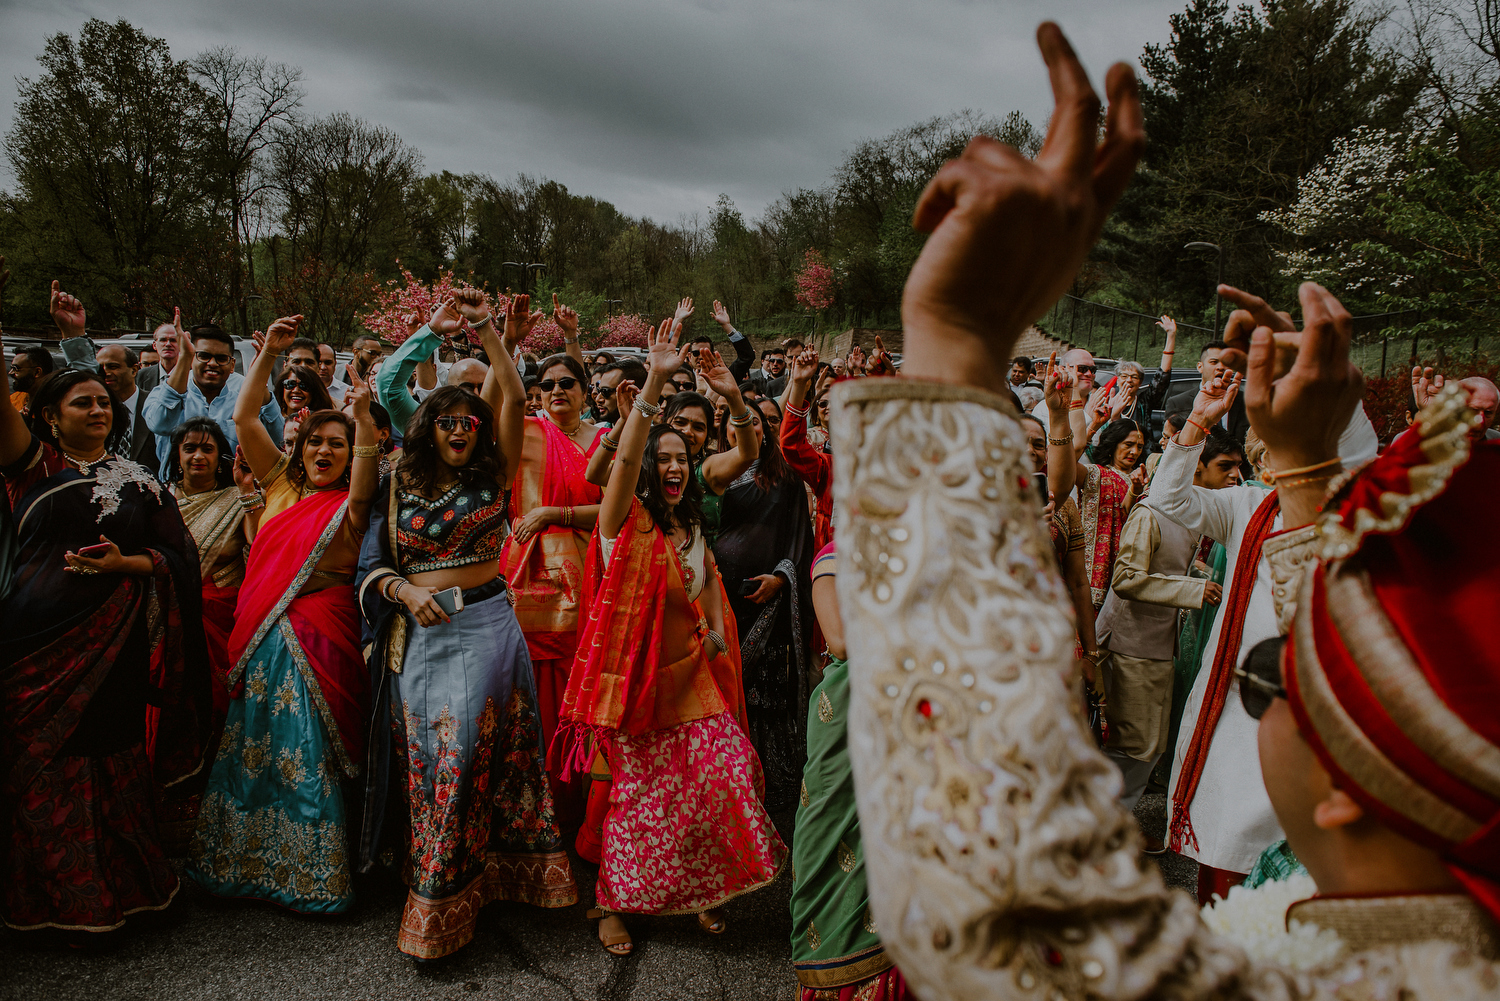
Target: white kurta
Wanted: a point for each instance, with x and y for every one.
(1231, 813)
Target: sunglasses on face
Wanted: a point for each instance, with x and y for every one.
(565, 384)
(209, 356)
(294, 384)
(456, 422)
(1086, 368)
(604, 392)
(824, 404)
(1260, 680)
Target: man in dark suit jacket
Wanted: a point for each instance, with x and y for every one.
(1236, 422)
(122, 372)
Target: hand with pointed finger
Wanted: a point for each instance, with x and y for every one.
(1252, 311)
(67, 312)
(566, 317)
(1057, 388)
(1215, 397)
(1300, 415)
(1008, 233)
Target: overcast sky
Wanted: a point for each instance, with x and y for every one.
(655, 105)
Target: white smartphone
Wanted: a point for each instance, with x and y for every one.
(450, 600)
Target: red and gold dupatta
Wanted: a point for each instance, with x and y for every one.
(545, 573)
(640, 663)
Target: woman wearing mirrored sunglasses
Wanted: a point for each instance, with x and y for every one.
(455, 702)
(299, 388)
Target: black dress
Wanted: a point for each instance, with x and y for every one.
(767, 530)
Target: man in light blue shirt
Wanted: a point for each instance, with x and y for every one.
(211, 392)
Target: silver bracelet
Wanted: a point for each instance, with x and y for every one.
(396, 591)
(723, 647)
(482, 323)
(649, 409)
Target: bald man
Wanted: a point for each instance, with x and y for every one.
(469, 374)
(1079, 364)
(1483, 398)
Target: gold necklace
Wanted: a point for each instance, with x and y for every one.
(564, 430)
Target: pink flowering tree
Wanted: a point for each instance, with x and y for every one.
(814, 282)
(627, 330)
(545, 338)
(385, 316)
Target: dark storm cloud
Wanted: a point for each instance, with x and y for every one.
(656, 105)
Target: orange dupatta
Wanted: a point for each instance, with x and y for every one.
(545, 573)
(640, 663)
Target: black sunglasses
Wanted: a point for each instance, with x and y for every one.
(1260, 677)
(566, 383)
(1087, 368)
(294, 384)
(604, 392)
(453, 422)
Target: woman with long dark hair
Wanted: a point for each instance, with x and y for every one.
(298, 388)
(99, 612)
(765, 551)
(455, 721)
(654, 707)
(693, 416)
(275, 823)
(220, 506)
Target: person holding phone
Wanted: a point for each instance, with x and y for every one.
(275, 823)
(455, 704)
(98, 542)
(654, 708)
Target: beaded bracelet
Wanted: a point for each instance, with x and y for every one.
(648, 409)
(1059, 441)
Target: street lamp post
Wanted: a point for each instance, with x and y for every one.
(612, 302)
(1218, 301)
(526, 267)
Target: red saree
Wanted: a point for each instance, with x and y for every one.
(326, 622)
(1103, 507)
(683, 829)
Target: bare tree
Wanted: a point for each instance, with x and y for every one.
(249, 99)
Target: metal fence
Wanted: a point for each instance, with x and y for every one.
(1383, 343)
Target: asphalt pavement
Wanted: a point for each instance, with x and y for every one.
(203, 948)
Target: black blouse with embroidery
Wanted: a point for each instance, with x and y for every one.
(465, 525)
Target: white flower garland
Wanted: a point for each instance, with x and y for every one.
(1255, 920)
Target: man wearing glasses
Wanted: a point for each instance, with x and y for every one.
(208, 387)
(606, 400)
(1080, 365)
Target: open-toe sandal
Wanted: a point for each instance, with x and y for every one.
(616, 943)
(712, 921)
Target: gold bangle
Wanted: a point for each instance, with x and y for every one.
(1335, 461)
(1059, 441)
(366, 451)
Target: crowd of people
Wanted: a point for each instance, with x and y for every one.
(481, 617)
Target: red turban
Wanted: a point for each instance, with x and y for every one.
(1392, 670)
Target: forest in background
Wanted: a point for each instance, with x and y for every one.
(1347, 142)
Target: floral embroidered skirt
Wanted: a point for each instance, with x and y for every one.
(274, 825)
(686, 831)
(468, 742)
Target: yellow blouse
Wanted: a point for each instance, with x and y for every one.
(341, 558)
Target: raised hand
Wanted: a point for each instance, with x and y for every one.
(714, 372)
(664, 356)
(625, 394)
(1138, 479)
(1057, 388)
(280, 334)
(684, 309)
(472, 305)
(185, 343)
(446, 320)
(1425, 384)
(1215, 397)
(357, 399)
(804, 367)
(1252, 311)
(721, 315)
(259, 340)
(880, 360)
(413, 322)
(1300, 415)
(566, 317)
(520, 318)
(243, 477)
(1008, 233)
(856, 361)
(1096, 406)
(67, 312)
(1120, 402)
(1168, 324)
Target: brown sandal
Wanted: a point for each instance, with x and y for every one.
(712, 921)
(615, 943)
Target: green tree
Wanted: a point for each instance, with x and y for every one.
(108, 150)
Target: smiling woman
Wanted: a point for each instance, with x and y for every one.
(274, 824)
